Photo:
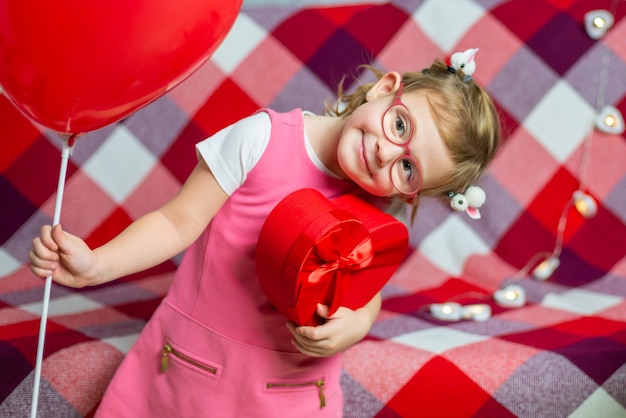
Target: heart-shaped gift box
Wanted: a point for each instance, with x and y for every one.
(339, 253)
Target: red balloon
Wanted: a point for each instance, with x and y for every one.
(78, 65)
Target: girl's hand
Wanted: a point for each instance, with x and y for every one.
(63, 256)
(342, 330)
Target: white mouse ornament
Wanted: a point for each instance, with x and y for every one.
(464, 61)
(469, 201)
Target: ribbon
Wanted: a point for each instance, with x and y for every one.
(325, 273)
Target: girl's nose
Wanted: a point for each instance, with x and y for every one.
(387, 151)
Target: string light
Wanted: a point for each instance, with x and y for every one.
(585, 204)
(453, 311)
(598, 22)
(449, 311)
(610, 121)
(546, 268)
(477, 312)
(510, 296)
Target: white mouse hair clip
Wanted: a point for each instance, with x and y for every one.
(464, 61)
(469, 201)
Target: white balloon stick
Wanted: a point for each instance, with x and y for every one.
(65, 154)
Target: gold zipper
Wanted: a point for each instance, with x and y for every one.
(320, 384)
(168, 350)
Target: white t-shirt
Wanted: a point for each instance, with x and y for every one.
(232, 152)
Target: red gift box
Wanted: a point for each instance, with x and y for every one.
(341, 253)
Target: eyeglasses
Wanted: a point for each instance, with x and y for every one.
(406, 175)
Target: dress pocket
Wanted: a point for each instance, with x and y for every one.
(303, 386)
(170, 354)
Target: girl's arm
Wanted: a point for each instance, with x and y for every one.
(150, 240)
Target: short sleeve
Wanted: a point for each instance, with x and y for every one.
(232, 152)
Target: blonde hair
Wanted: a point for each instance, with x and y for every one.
(464, 115)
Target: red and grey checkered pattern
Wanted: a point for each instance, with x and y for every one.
(563, 354)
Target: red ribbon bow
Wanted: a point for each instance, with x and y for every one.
(328, 268)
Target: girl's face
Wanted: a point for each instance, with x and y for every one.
(368, 157)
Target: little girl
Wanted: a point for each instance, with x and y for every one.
(215, 346)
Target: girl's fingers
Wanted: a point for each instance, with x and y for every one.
(46, 238)
(43, 273)
(42, 266)
(43, 255)
(309, 351)
(42, 251)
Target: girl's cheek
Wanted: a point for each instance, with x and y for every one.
(382, 186)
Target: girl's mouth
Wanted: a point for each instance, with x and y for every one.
(364, 157)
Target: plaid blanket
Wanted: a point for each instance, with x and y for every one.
(562, 354)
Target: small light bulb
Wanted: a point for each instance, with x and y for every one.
(610, 120)
(585, 204)
(582, 207)
(598, 22)
(545, 269)
(511, 296)
(449, 311)
(478, 312)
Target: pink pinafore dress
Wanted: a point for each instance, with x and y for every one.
(215, 347)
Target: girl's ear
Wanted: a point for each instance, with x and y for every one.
(388, 83)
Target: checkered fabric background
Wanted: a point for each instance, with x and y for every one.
(563, 354)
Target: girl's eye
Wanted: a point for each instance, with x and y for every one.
(407, 171)
(405, 176)
(400, 127)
